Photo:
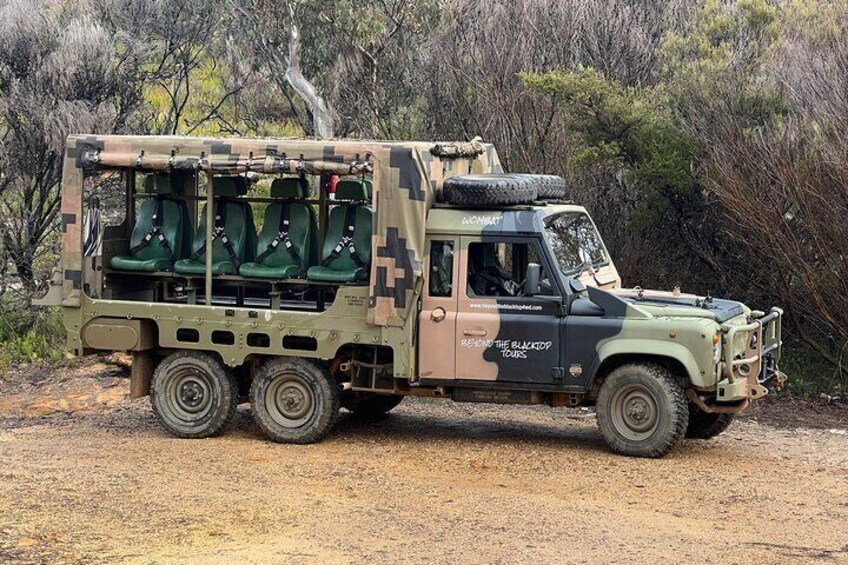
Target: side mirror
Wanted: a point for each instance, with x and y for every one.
(577, 286)
(531, 279)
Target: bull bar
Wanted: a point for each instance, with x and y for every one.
(768, 333)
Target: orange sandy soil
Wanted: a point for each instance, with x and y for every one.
(88, 476)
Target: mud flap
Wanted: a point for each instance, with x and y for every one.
(144, 362)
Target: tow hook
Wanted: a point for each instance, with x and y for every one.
(756, 391)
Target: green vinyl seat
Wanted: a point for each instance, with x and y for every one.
(162, 232)
(347, 245)
(234, 234)
(287, 244)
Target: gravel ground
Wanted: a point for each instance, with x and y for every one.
(88, 476)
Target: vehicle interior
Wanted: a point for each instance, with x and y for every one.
(500, 269)
(280, 242)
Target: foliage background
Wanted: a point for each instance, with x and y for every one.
(706, 138)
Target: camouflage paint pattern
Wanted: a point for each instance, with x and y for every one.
(513, 347)
(406, 177)
(343, 323)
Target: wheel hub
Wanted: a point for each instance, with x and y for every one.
(637, 409)
(191, 394)
(635, 412)
(290, 401)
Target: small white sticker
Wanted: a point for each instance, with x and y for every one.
(481, 220)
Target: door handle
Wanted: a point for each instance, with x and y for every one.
(438, 315)
(476, 333)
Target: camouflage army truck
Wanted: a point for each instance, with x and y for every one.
(307, 276)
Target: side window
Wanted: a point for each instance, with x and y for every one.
(498, 268)
(441, 268)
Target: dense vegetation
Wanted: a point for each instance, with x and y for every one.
(704, 136)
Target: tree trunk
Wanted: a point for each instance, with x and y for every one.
(322, 118)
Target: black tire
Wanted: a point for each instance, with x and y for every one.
(193, 394)
(294, 400)
(642, 410)
(549, 187)
(703, 425)
(477, 191)
(370, 406)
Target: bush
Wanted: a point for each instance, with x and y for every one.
(29, 336)
(810, 374)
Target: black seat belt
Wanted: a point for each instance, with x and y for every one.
(346, 242)
(282, 238)
(156, 232)
(219, 233)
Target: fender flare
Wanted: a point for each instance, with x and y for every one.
(650, 348)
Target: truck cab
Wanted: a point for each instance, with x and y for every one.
(529, 297)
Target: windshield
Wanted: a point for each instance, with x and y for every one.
(574, 242)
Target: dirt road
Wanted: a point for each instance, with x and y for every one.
(88, 476)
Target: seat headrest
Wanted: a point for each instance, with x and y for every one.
(163, 183)
(290, 187)
(353, 189)
(230, 187)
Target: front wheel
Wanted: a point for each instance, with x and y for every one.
(294, 400)
(642, 410)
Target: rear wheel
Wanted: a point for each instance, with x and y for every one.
(193, 394)
(703, 425)
(370, 406)
(294, 400)
(642, 410)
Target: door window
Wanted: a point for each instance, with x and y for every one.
(498, 268)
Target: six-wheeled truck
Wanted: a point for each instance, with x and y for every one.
(306, 276)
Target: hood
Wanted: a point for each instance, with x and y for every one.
(661, 303)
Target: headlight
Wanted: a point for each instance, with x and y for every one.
(716, 348)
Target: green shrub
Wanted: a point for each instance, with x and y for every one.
(30, 335)
(809, 374)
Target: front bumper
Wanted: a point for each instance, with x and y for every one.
(746, 369)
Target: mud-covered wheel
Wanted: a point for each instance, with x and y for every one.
(476, 191)
(193, 394)
(294, 400)
(642, 410)
(370, 406)
(703, 425)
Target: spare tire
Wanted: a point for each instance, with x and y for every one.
(551, 187)
(489, 190)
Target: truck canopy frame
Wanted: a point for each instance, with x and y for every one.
(406, 176)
